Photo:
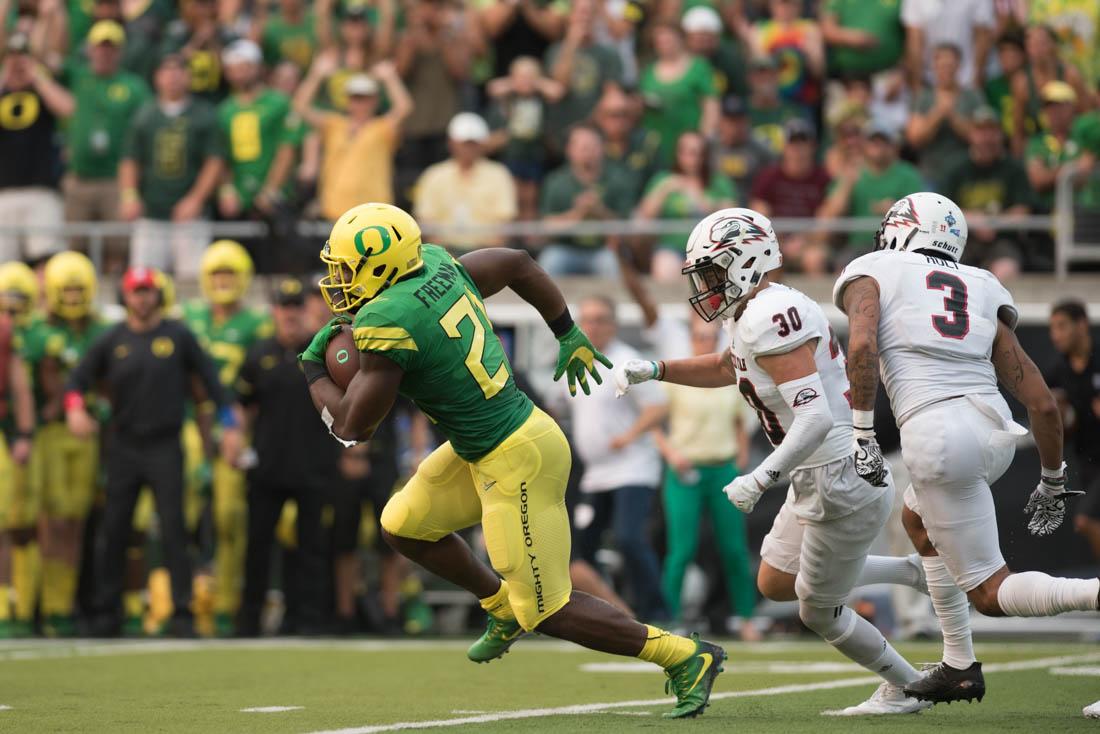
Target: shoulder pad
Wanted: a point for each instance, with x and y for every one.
(776, 323)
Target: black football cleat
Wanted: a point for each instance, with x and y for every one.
(944, 684)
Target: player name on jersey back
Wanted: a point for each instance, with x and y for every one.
(937, 323)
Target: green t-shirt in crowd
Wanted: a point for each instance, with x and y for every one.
(638, 158)
(105, 108)
(728, 62)
(676, 107)
(434, 326)
(561, 187)
(990, 189)
(720, 192)
(880, 18)
(525, 120)
(252, 132)
(945, 147)
(593, 66)
(767, 124)
(286, 41)
(874, 193)
(169, 151)
(1051, 152)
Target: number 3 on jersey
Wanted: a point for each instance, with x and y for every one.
(956, 324)
(464, 308)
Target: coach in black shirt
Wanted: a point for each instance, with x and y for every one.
(295, 459)
(144, 366)
(1075, 380)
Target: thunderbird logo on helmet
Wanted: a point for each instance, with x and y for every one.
(726, 231)
(901, 213)
(383, 235)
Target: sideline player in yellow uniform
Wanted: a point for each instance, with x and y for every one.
(65, 466)
(18, 503)
(226, 328)
(422, 331)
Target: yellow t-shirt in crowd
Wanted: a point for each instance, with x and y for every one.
(445, 195)
(701, 422)
(356, 167)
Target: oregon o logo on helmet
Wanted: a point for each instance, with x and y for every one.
(383, 236)
(342, 356)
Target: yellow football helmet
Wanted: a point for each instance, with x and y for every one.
(167, 288)
(18, 290)
(70, 285)
(371, 247)
(225, 256)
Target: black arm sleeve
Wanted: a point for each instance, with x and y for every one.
(92, 366)
(198, 363)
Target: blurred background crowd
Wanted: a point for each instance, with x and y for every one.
(593, 133)
(490, 112)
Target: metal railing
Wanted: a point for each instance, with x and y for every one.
(1076, 231)
(1061, 224)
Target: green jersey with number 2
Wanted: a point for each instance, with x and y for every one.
(433, 324)
(226, 342)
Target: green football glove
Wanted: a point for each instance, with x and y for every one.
(315, 352)
(577, 359)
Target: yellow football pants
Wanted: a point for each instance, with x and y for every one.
(64, 469)
(517, 492)
(231, 535)
(19, 498)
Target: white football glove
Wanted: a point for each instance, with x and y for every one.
(744, 492)
(632, 372)
(1047, 504)
(870, 463)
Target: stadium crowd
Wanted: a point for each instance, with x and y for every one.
(486, 112)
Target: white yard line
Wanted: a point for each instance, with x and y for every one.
(763, 666)
(1086, 670)
(590, 708)
(271, 709)
(5, 708)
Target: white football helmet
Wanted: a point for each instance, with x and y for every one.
(924, 221)
(727, 254)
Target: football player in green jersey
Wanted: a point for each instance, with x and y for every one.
(422, 331)
(65, 465)
(18, 503)
(225, 328)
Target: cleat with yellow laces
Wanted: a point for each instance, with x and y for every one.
(499, 635)
(693, 679)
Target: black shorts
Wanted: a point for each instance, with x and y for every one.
(1087, 476)
(348, 507)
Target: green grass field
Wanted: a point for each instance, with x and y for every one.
(365, 686)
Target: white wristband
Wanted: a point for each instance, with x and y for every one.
(1058, 473)
(863, 419)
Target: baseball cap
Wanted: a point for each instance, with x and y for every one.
(106, 31)
(242, 51)
(985, 115)
(138, 277)
(355, 12)
(1058, 92)
(701, 19)
(733, 106)
(876, 129)
(289, 292)
(467, 127)
(360, 85)
(798, 129)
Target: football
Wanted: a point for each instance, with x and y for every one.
(341, 359)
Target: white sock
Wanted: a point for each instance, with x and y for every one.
(861, 642)
(888, 570)
(1035, 594)
(953, 610)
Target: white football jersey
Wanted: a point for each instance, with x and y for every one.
(777, 320)
(937, 323)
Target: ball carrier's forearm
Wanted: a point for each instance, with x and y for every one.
(495, 269)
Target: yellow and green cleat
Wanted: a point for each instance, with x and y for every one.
(499, 635)
(693, 679)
